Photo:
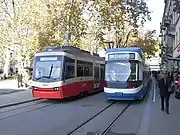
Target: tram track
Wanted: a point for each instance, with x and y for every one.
(24, 109)
(18, 109)
(15, 113)
(84, 123)
(105, 131)
(27, 106)
(21, 106)
(18, 103)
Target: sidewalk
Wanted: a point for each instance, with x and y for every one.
(10, 93)
(156, 122)
(163, 124)
(9, 84)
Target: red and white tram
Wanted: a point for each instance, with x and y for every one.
(66, 71)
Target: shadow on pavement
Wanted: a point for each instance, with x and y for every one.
(9, 91)
(110, 133)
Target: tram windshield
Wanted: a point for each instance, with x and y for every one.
(120, 71)
(47, 68)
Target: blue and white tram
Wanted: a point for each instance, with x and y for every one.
(126, 75)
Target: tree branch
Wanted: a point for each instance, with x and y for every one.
(5, 9)
(127, 38)
(13, 6)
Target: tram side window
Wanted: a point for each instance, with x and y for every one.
(91, 71)
(86, 71)
(80, 71)
(133, 72)
(84, 68)
(102, 72)
(140, 71)
(96, 72)
(69, 68)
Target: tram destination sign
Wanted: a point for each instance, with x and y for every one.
(121, 56)
(48, 58)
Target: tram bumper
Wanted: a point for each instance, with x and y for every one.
(122, 96)
(116, 95)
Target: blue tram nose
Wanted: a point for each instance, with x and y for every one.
(123, 85)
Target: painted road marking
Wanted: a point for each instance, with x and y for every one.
(154, 91)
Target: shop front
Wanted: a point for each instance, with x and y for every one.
(176, 58)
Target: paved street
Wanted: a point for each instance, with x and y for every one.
(52, 118)
(59, 117)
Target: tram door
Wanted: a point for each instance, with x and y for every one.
(96, 77)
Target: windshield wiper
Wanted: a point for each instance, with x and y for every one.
(49, 76)
(50, 71)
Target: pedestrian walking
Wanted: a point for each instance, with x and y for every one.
(156, 75)
(19, 78)
(164, 84)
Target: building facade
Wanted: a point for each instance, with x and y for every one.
(170, 35)
(154, 63)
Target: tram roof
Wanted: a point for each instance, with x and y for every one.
(127, 49)
(74, 51)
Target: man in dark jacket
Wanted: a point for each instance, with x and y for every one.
(155, 75)
(164, 93)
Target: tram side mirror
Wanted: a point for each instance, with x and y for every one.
(64, 76)
(63, 80)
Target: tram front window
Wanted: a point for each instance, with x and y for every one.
(47, 68)
(120, 71)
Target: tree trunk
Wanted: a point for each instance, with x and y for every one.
(127, 38)
(7, 62)
(119, 42)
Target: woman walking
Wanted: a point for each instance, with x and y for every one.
(164, 83)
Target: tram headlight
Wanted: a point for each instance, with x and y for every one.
(35, 88)
(56, 88)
